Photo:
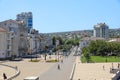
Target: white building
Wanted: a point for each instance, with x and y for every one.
(5, 43)
(34, 42)
(18, 38)
(101, 30)
(84, 42)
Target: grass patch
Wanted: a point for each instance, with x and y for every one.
(52, 60)
(34, 60)
(102, 59)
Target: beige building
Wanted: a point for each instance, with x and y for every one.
(22, 46)
(5, 43)
(18, 36)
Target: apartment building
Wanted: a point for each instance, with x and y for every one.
(5, 44)
(34, 42)
(18, 36)
(101, 30)
(27, 18)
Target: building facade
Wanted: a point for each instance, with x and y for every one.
(34, 42)
(27, 18)
(101, 30)
(18, 36)
(5, 44)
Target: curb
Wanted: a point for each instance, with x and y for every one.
(14, 75)
(73, 70)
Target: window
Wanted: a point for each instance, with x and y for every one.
(29, 24)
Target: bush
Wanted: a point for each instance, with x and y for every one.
(52, 60)
(34, 60)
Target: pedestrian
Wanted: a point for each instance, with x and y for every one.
(4, 76)
(58, 67)
(118, 65)
(112, 66)
(103, 67)
(62, 61)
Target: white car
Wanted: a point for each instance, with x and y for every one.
(31, 78)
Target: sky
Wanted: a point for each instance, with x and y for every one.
(64, 15)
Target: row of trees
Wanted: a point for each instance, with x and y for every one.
(102, 48)
(64, 44)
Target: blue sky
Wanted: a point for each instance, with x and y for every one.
(64, 15)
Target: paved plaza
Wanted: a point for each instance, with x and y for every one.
(93, 71)
(26, 68)
(7, 70)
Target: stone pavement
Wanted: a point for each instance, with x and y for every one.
(92, 71)
(26, 68)
(8, 71)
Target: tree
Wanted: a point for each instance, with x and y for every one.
(85, 51)
(60, 40)
(54, 40)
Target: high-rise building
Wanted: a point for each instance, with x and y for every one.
(27, 18)
(101, 30)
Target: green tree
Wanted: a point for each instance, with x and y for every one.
(85, 51)
(54, 40)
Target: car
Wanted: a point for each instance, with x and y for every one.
(30, 56)
(16, 59)
(32, 78)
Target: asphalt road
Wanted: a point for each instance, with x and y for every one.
(65, 69)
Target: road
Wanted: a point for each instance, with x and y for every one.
(65, 69)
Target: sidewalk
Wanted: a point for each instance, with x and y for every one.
(7, 70)
(92, 71)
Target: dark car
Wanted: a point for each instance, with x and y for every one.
(30, 56)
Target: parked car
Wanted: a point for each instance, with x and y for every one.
(16, 59)
(30, 56)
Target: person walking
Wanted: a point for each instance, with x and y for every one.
(58, 67)
(4, 76)
(103, 67)
(61, 60)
